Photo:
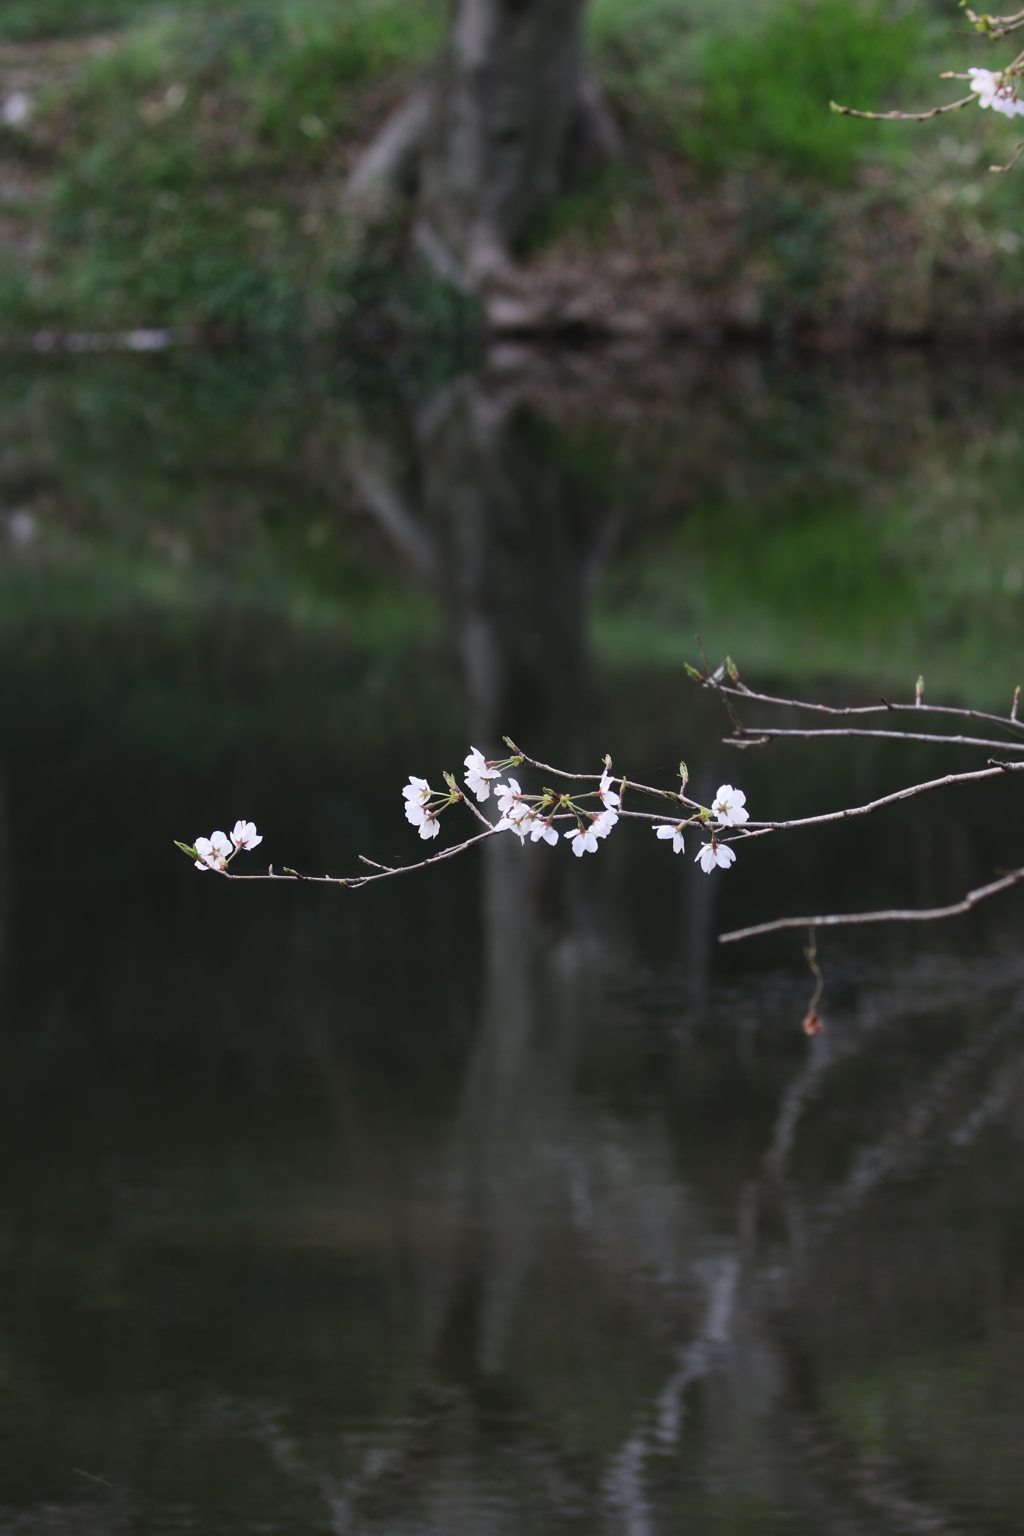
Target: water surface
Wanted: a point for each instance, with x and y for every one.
(498, 1199)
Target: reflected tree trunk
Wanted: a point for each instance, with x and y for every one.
(518, 546)
(469, 494)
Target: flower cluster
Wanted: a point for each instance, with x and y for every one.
(480, 774)
(996, 89)
(217, 850)
(534, 814)
(729, 810)
(588, 815)
(593, 813)
(423, 805)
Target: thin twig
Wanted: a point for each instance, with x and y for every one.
(477, 812)
(905, 117)
(355, 882)
(760, 828)
(716, 683)
(893, 915)
(772, 733)
(996, 26)
(561, 773)
(885, 707)
(1002, 169)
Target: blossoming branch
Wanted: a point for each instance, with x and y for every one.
(998, 90)
(584, 817)
(583, 809)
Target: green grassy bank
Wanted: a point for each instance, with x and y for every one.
(180, 164)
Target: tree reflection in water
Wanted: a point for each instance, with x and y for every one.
(626, 1322)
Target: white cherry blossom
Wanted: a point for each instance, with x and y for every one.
(542, 829)
(479, 775)
(430, 826)
(417, 792)
(519, 820)
(675, 833)
(244, 835)
(213, 851)
(713, 854)
(602, 825)
(583, 839)
(507, 795)
(608, 795)
(510, 801)
(728, 806)
(996, 90)
(516, 813)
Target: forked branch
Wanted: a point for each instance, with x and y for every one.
(586, 807)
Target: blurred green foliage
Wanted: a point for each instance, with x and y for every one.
(186, 171)
(24, 19)
(751, 80)
(188, 162)
(766, 91)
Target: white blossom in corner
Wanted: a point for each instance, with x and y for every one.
(996, 90)
(583, 839)
(675, 833)
(213, 851)
(417, 792)
(715, 854)
(728, 806)
(244, 835)
(479, 775)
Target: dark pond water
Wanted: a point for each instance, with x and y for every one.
(499, 1199)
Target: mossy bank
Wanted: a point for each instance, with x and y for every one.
(182, 165)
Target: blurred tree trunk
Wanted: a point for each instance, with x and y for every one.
(507, 119)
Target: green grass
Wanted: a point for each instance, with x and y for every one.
(767, 92)
(191, 162)
(753, 80)
(189, 175)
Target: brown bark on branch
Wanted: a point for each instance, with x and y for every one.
(892, 915)
(751, 736)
